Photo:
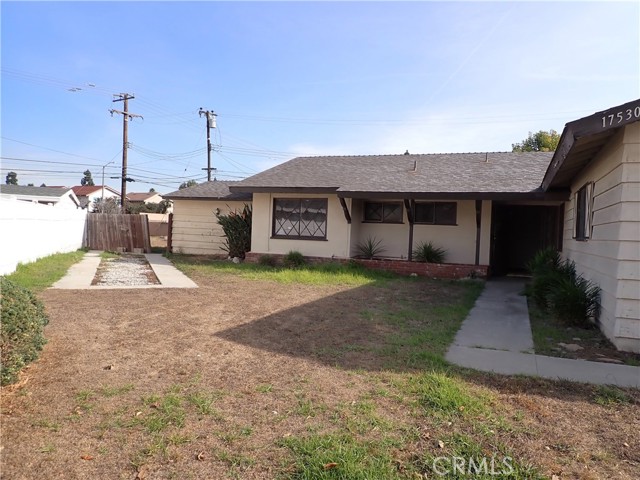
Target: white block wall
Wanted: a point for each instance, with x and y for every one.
(29, 231)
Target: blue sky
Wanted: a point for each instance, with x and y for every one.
(297, 78)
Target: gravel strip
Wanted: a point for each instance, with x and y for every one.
(125, 270)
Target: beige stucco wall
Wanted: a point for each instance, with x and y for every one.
(342, 238)
(336, 244)
(611, 257)
(195, 227)
(458, 240)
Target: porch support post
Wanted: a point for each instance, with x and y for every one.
(478, 229)
(408, 204)
(345, 209)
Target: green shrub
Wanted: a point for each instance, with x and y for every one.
(294, 259)
(427, 252)
(237, 232)
(267, 261)
(557, 287)
(574, 300)
(545, 260)
(21, 337)
(370, 248)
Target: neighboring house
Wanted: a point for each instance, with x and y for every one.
(195, 228)
(55, 196)
(144, 197)
(88, 194)
(598, 161)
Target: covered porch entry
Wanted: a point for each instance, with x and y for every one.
(519, 230)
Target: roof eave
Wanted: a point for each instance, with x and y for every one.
(533, 195)
(606, 121)
(263, 189)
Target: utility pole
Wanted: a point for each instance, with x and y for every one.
(126, 116)
(211, 123)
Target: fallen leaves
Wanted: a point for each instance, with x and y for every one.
(329, 466)
(87, 457)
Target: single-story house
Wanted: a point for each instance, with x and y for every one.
(55, 196)
(194, 228)
(326, 206)
(144, 197)
(89, 193)
(488, 210)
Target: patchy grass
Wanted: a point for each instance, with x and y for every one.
(274, 380)
(46, 271)
(549, 332)
(321, 274)
(610, 395)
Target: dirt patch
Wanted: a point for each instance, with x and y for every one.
(209, 383)
(125, 270)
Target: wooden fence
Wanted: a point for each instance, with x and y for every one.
(117, 232)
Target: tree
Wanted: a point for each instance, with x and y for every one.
(43, 185)
(87, 180)
(152, 190)
(108, 205)
(187, 184)
(12, 178)
(142, 207)
(538, 142)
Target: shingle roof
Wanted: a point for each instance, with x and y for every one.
(140, 197)
(84, 190)
(33, 191)
(214, 190)
(501, 172)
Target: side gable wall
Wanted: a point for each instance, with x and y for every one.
(195, 227)
(611, 257)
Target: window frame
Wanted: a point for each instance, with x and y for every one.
(583, 212)
(300, 200)
(382, 204)
(435, 213)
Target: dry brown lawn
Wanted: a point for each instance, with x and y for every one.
(214, 382)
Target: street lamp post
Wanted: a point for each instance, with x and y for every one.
(102, 199)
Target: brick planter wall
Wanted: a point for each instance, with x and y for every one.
(401, 267)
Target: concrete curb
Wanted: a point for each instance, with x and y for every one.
(511, 363)
(496, 337)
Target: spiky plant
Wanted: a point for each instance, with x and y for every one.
(427, 252)
(370, 248)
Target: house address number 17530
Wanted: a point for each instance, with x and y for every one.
(619, 117)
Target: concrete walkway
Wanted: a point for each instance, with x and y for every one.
(81, 274)
(496, 337)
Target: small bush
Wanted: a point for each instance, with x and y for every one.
(23, 321)
(429, 253)
(557, 287)
(574, 300)
(370, 248)
(547, 259)
(294, 259)
(237, 232)
(267, 261)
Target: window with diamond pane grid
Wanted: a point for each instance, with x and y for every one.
(300, 218)
(383, 212)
